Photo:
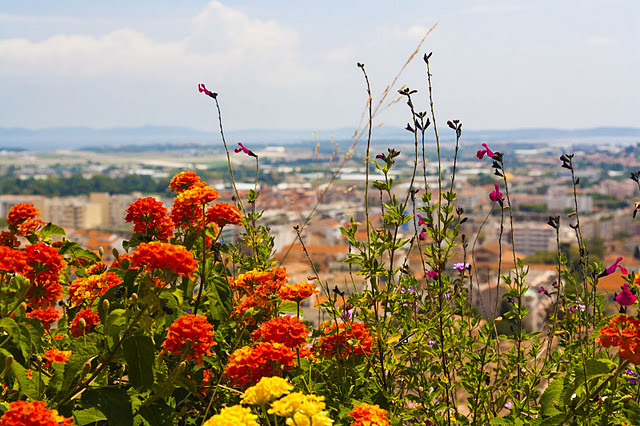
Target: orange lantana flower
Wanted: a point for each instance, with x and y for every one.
(48, 316)
(248, 365)
(298, 291)
(622, 332)
(90, 288)
(337, 343)
(185, 180)
(369, 415)
(224, 214)
(21, 413)
(158, 255)
(55, 355)
(21, 212)
(289, 331)
(90, 320)
(149, 217)
(191, 335)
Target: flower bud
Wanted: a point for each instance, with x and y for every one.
(105, 306)
(134, 298)
(23, 308)
(181, 367)
(83, 324)
(101, 251)
(7, 364)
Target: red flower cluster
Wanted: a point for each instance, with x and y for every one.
(224, 214)
(90, 288)
(289, 331)
(48, 316)
(257, 288)
(369, 415)
(336, 343)
(44, 261)
(117, 263)
(8, 239)
(149, 217)
(158, 255)
(191, 335)
(298, 291)
(248, 365)
(622, 332)
(21, 212)
(185, 180)
(23, 413)
(90, 320)
(187, 209)
(14, 261)
(55, 355)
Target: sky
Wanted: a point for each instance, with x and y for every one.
(293, 65)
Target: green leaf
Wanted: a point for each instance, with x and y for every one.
(51, 229)
(139, 354)
(80, 354)
(27, 386)
(158, 414)
(88, 415)
(598, 367)
(116, 323)
(55, 383)
(113, 402)
(551, 395)
(11, 327)
(289, 307)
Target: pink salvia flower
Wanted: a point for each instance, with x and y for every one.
(611, 269)
(480, 154)
(421, 236)
(626, 298)
(421, 220)
(203, 89)
(245, 150)
(495, 195)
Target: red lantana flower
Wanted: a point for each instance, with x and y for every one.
(90, 288)
(97, 268)
(21, 212)
(158, 255)
(48, 316)
(337, 343)
(23, 413)
(369, 415)
(90, 318)
(29, 226)
(248, 365)
(298, 291)
(44, 261)
(185, 180)
(289, 331)
(257, 289)
(55, 355)
(191, 335)
(14, 261)
(149, 217)
(622, 332)
(224, 214)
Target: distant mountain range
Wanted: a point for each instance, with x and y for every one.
(78, 137)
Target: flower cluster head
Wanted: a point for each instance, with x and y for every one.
(44, 268)
(288, 330)
(266, 390)
(55, 355)
(159, 255)
(626, 298)
(339, 342)
(21, 212)
(622, 332)
(23, 413)
(186, 210)
(247, 365)
(369, 415)
(149, 217)
(496, 195)
(298, 291)
(480, 154)
(257, 289)
(185, 180)
(301, 409)
(83, 322)
(48, 316)
(236, 415)
(191, 335)
(90, 288)
(13, 261)
(223, 214)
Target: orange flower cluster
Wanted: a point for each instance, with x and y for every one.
(187, 209)
(8, 239)
(256, 288)
(622, 332)
(45, 266)
(116, 264)
(55, 355)
(336, 343)
(90, 318)
(158, 255)
(21, 212)
(298, 291)
(97, 268)
(185, 180)
(14, 261)
(23, 413)
(47, 316)
(191, 335)
(149, 217)
(224, 214)
(289, 331)
(90, 288)
(369, 415)
(248, 365)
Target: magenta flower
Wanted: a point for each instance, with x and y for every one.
(431, 274)
(421, 236)
(541, 290)
(245, 150)
(480, 154)
(626, 298)
(495, 195)
(421, 220)
(461, 266)
(611, 269)
(203, 89)
(381, 157)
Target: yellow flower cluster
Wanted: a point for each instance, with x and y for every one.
(235, 415)
(301, 410)
(266, 390)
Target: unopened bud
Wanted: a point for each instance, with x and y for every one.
(105, 305)
(7, 364)
(181, 367)
(498, 319)
(83, 324)
(134, 298)
(101, 251)
(23, 308)
(86, 368)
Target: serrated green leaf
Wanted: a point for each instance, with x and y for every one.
(139, 354)
(88, 416)
(51, 229)
(80, 354)
(158, 414)
(114, 403)
(551, 395)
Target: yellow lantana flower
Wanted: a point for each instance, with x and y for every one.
(301, 410)
(266, 390)
(236, 415)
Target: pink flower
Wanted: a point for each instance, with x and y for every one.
(495, 195)
(421, 236)
(626, 298)
(202, 88)
(611, 269)
(431, 274)
(482, 152)
(245, 150)
(421, 220)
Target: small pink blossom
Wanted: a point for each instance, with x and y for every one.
(611, 269)
(245, 150)
(495, 195)
(421, 220)
(626, 298)
(421, 236)
(431, 274)
(203, 89)
(480, 154)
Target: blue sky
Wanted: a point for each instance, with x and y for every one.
(292, 65)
